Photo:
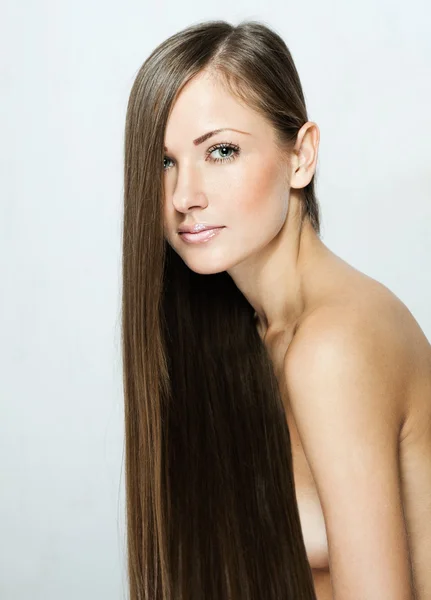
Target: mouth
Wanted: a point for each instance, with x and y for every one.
(200, 236)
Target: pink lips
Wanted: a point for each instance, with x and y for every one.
(201, 236)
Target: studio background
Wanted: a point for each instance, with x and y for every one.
(66, 72)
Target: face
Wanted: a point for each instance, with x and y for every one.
(235, 179)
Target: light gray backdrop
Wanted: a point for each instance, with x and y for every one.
(66, 72)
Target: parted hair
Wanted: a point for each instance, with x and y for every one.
(211, 507)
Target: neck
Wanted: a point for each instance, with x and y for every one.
(280, 281)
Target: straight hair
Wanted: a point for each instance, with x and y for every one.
(211, 507)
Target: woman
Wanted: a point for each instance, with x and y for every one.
(278, 438)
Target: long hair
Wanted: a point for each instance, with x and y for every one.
(211, 506)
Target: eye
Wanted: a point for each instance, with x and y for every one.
(164, 166)
(221, 148)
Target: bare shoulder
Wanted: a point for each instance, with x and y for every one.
(368, 322)
(357, 375)
(358, 379)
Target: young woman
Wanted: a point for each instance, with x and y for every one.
(277, 400)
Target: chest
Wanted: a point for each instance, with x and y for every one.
(415, 480)
(309, 507)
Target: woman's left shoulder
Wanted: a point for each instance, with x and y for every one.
(369, 332)
(370, 317)
(358, 379)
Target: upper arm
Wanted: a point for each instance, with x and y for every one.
(345, 390)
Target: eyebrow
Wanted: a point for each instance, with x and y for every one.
(209, 134)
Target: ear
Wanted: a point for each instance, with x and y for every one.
(304, 155)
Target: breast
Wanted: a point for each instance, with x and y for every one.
(313, 528)
(309, 506)
(314, 532)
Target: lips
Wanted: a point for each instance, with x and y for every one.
(200, 236)
(197, 228)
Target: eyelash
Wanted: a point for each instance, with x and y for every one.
(228, 145)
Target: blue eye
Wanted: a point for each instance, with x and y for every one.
(165, 158)
(222, 147)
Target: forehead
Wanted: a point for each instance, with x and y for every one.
(205, 104)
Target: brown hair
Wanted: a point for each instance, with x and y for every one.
(211, 504)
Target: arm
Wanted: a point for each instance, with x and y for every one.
(345, 385)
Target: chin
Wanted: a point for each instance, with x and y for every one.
(205, 269)
(205, 261)
(205, 264)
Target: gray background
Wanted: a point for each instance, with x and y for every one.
(66, 73)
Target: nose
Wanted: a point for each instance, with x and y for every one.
(188, 192)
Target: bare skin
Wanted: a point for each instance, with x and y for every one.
(337, 286)
(304, 296)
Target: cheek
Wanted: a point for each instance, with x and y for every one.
(258, 192)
